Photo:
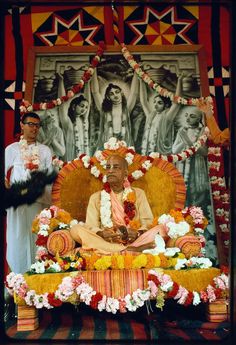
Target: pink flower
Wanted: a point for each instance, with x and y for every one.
(122, 305)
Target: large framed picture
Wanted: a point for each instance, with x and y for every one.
(116, 102)
(52, 71)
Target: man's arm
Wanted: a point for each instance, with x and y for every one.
(93, 212)
(144, 209)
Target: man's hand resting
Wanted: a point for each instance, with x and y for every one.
(109, 235)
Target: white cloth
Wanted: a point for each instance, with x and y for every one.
(21, 248)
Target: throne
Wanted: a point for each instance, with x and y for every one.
(165, 190)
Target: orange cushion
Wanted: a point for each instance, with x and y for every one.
(189, 245)
(60, 242)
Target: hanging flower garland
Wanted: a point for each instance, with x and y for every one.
(26, 107)
(220, 195)
(162, 91)
(160, 286)
(114, 144)
(29, 154)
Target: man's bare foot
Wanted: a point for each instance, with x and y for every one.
(149, 245)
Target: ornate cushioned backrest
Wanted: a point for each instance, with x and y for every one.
(162, 183)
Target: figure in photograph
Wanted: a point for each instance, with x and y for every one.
(193, 169)
(73, 117)
(159, 130)
(51, 134)
(115, 109)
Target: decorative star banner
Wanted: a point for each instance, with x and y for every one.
(68, 28)
(160, 25)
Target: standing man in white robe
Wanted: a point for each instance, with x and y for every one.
(22, 158)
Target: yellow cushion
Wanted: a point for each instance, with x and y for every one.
(162, 183)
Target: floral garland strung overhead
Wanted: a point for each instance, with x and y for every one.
(162, 91)
(114, 144)
(26, 107)
(160, 286)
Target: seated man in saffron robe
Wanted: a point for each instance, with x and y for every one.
(112, 214)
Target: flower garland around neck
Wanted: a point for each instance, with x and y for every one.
(128, 199)
(30, 155)
(160, 286)
(26, 107)
(162, 91)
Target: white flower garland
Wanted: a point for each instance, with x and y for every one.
(105, 208)
(164, 92)
(29, 154)
(16, 284)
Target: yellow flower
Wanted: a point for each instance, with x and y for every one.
(157, 261)
(140, 261)
(103, 263)
(173, 262)
(181, 256)
(120, 262)
(66, 266)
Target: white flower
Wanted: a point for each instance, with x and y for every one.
(177, 229)
(180, 263)
(102, 303)
(171, 251)
(95, 171)
(165, 218)
(56, 267)
(196, 298)
(147, 165)
(112, 305)
(104, 179)
(137, 174)
(73, 222)
(129, 158)
(45, 214)
(29, 298)
(86, 161)
(38, 267)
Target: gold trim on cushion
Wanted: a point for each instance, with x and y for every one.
(162, 183)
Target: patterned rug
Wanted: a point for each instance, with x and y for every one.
(85, 324)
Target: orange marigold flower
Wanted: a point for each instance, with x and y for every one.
(131, 197)
(35, 225)
(205, 223)
(154, 223)
(134, 224)
(177, 215)
(64, 216)
(150, 261)
(128, 260)
(53, 224)
(164, 261)
(189, 219)
(90, 261)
